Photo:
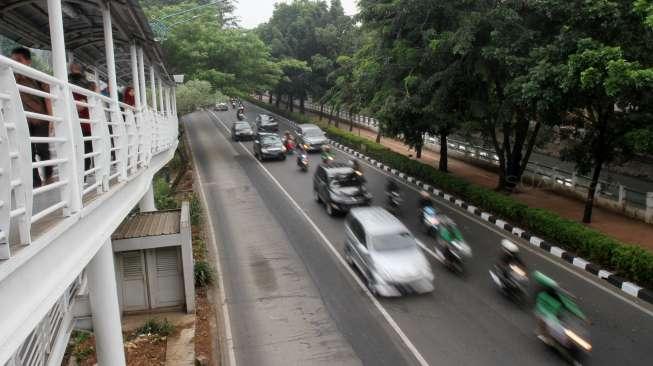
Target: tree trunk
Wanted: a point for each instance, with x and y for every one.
(321, 110)
(443, 163)
(260, 97)
(270, 98)
(291, 105)
(418, 151)
(589, 202)
(331, 115)
(351, 123)
(278, 100)
(338, 118)
(301, 106)
(378, 136)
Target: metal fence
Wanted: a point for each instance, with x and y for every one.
(96, 144)
(565, 179)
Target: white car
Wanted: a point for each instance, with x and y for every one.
(386, 253)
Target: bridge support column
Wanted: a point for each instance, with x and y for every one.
(146, 203)
(104, 304)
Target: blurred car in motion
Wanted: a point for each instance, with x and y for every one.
(311, 137)
(221, 107)
(339, 188)
(386, 253)
(268, 146)
(241, 130)
(266, 123)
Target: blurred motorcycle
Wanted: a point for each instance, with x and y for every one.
(302, 161)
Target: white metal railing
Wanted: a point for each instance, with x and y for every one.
(40, 343)
(117, 144)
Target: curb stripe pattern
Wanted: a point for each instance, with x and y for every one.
(617, 281)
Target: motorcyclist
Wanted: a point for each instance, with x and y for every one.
(425, 200)
(447, 233)
(326, 153)
(550, 303)
(286, 137)
(391, 186)
(509, 255)
(356, 165)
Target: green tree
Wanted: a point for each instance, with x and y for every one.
(195, 94)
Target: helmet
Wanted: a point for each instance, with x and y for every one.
(424, 194)
(326, 147)
(509, 246)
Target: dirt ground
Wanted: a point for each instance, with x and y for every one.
(609, 222)
(140, 350)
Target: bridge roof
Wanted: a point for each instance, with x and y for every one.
(26, 22)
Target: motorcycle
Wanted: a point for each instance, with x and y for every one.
(453, 254)
(240, 116)
(302, 161)
(327, 158)
(567, 333)
(289, 144)
(513, 282)
(430, 221)
(394, 202)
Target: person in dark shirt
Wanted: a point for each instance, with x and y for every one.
(35, 104)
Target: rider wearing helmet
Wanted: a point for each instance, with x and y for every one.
(391, 186)
(509, 255)
(425, 200)
(326, 153)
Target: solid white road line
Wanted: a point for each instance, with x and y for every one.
(393, 324)
(530, 249)
(223, 296)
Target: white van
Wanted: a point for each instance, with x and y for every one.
(386, 253)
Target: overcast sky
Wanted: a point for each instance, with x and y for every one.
(255, 12)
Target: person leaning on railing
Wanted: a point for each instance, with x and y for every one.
(35, 104)
(77, 77)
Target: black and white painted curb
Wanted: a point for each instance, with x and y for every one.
(619, 282)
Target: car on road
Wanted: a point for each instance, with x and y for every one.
(268, 146)
(267, 123)
(221, 107)
(386, 253)
(311, 137)
(241, 130)
(339, 187)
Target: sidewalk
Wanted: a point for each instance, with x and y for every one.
(611, 223)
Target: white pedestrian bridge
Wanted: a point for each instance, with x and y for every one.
(55, 238)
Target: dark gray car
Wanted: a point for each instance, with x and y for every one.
(311, 137)
(266, 123)
(241, 130)
(339, 188)
(268, 146)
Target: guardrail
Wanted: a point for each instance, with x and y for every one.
(635, 203)
(97, 144)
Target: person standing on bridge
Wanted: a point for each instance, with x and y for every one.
(35, 104)
(77, 77)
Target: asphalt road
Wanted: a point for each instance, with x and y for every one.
(465, 321)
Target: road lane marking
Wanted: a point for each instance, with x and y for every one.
(225, 307)
(393, 324)
(518, 241)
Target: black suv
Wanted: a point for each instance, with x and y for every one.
(266, 123)
(268, 146)
(339, 187)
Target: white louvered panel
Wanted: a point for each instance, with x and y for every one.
(132, 265)
(167, 261)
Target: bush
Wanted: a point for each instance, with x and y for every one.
(627, 260)
(204, 274)
(81, 346)
(155, 326)
(195, 210)
(163, 194)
